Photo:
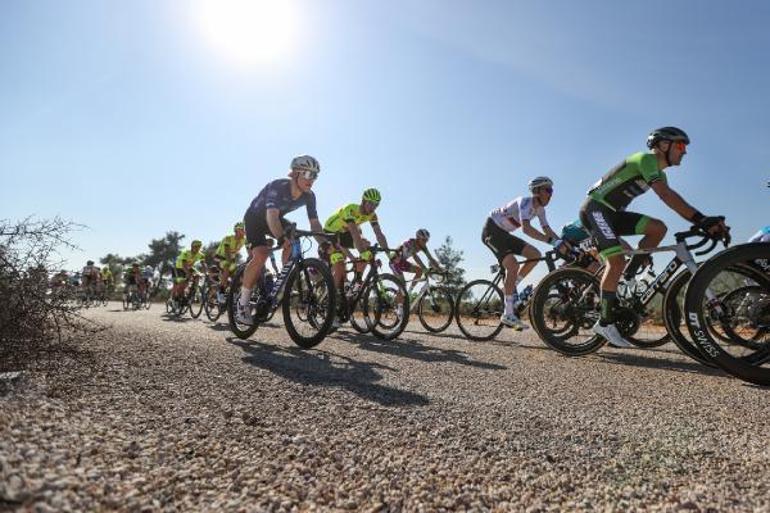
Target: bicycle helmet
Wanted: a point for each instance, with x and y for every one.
(305, 163)
(239, 226)
(667, 133)
(196, 242)
(540, 181)
(372, 195)
(424, 234)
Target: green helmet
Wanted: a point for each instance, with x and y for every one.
(196, 242)
(239, 225)
(372, 195)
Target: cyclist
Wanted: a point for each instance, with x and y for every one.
(762, 235)
(400, 263)
(183, 268)
(497, 236)
(604, 214)
(90, 277)
(344, 224)
(226, 256)
(132, 277)
(107, 277)
(265, 218)
(148, 274)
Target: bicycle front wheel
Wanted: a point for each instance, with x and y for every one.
(196, 302)
(387, 304)
(309, 303)
(478, 310)
(436, 310)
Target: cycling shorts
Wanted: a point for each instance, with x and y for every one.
(500, 242)
(607, 226)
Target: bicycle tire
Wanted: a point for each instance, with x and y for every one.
(242, 331)
(314, 309)
(424, 304)
(387, 309)
(491, 311)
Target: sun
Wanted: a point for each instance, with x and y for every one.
(247, 33)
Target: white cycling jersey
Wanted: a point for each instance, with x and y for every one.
(762, 235)
(510, 216)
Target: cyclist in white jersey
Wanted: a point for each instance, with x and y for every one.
(497, 237)
(762, 235)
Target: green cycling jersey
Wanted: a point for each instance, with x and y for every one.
(187, 256)
(348, 214)
(230, 243)
(627, 180)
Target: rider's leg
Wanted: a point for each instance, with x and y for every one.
(609, 284)
(530, 253)
(253, 271)
(654, 231)
(509, 285)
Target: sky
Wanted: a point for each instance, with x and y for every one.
(136, 118)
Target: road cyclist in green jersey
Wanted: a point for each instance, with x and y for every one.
(226, 257)
(604, 214)
(344, 224)
(265, 218)
(183, 268)
(497, 236)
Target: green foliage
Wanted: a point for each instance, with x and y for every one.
(450, 259)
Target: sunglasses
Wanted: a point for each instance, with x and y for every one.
(309, 175)
(549, 190)
(680, 145)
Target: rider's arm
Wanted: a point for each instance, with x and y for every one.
(528, 229)
(419, 261)
(380, 236)
(274, 222)
(358, 241)
(674, 201)
(315, 225)
(433, 262)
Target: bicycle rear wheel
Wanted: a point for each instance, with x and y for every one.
(195, 300)
(384, 306)
(436, 310)
(242, 331)
(565, 306)
(478, 310)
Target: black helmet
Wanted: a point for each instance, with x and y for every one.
(90, 262)
(667, 133)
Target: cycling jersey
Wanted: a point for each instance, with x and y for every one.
(627, 180)
(348, 214)
(762, 235)
(407, 249)
(187, 256)
(509, 217)
(277, 194)
(106, 274)
(231, 243)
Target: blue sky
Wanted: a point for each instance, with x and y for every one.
(120, 116)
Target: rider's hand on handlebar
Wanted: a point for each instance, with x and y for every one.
(715, 226)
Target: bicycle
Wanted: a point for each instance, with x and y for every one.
(191, 300)
(434, 305)
(375, 299)
(479, 304)
(131, 298)
(304, 289)
(565, 305)
(727, 309)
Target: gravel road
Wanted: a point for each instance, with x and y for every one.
(179, 416)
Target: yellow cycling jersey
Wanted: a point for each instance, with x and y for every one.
(231, 242)
(187, 256)
(348, 214)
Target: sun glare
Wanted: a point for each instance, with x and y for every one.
(247, 32)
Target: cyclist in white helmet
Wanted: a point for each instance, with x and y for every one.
(498, 238)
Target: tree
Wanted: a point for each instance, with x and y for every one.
(164, 251)
(450, 260)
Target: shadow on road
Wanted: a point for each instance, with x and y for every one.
(409, 348)
(324, 369)
(637, 358)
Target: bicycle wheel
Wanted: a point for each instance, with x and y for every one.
(733, 330)
(383, 306)
(195, 300)
(309, 302)
(359, 314)
(648, 329)
(673, 306)
(565, 306)
(125, 302)
(169, 306)
(242, 331)
(478, 310)
(210, 303)
(436, 310)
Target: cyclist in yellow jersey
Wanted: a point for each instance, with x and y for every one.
(184, 266)
(344, 223)
(226, 257)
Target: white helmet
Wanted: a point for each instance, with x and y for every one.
(305, 163)
(540, 181)
(422, 233)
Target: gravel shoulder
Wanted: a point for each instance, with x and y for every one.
(179, 416)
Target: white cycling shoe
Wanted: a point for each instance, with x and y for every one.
(613, 336)
(242, 314)
(512, 322)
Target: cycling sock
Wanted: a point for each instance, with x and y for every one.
(509, 301)
(245, 297)
(609, 300)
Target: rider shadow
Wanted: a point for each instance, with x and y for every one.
(317, 368)
(171, 318)
(437, 335)
(409, 348)
(639, 360)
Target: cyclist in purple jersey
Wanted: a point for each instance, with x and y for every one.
(264, 218)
